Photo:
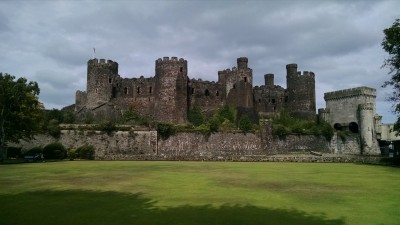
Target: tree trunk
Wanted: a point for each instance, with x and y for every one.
(3, 150)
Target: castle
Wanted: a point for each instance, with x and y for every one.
(170, 94)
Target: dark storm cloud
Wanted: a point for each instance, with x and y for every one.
(51, 42)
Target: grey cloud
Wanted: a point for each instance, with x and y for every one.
(338, 40)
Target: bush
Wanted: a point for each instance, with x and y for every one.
(165, 130)
(195, 116)
(85, 152)
(34, 151)
(228, 113)
(54, 151)
(14, 152)
(107, 126)
(280, 130)
(245, 124)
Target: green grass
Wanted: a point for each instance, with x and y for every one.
(130, 192)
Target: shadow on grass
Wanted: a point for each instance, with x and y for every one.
(108, 208)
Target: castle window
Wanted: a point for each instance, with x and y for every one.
(96, 90)
(259, 100)
(286, 98)
(150, 89)
(192, 91)
(273, 101)
(234, 86)
(206, 93)
(126, 90)
(181, 69)
(114, 92)
(217, 94)
(245, 79)
(138, 90)
(109, 80)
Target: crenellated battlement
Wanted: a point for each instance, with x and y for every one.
(170, 60)
(350, 93)
(306, 74)
(102, 62)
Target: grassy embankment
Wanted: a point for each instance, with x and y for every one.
(113, 192)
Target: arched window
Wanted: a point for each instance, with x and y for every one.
(217, 93)
(337, 126)
(138, 90)
(150, 89)
(207, 93)
(126, 90)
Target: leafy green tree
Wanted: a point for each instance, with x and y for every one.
(245, 123)
(391, 44)
(20, 110)
(195, 116)
(227, 112)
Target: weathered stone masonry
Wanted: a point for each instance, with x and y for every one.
(170, 94)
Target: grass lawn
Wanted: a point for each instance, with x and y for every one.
(132, 192)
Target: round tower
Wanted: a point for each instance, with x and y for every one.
(269, 80)
(242, 63)
(367, 133)
(300, 93)
(171, 90)
(100, 77)
(291, 69)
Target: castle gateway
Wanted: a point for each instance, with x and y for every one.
(170, 94)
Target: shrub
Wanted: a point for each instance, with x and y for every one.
(85, 152)
(13, 152)
(34, 151)
(195, 116)
(107, 126)
(228, 113)
(165, 130)
(54, 151)
(280, 130)
(245, 124)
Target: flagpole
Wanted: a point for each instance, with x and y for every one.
(94, 52)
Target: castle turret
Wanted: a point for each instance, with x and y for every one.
(100, 77)
(242, 63)
(300, 93)
(238, 84)
(171, 90)
(367, 129)
(269, 80)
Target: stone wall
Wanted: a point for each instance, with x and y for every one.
(218, 145)
(144, 145)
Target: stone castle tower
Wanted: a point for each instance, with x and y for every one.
(171, 87)
(300, 92)
(298, 98)
(169, 95)
(354, 110)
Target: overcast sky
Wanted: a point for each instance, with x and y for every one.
(51, 41)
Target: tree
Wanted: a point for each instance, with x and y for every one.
(391, 44)
(20, 110)
(195, 116)
(245, 123)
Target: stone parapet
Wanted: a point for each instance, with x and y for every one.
(350, 93)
